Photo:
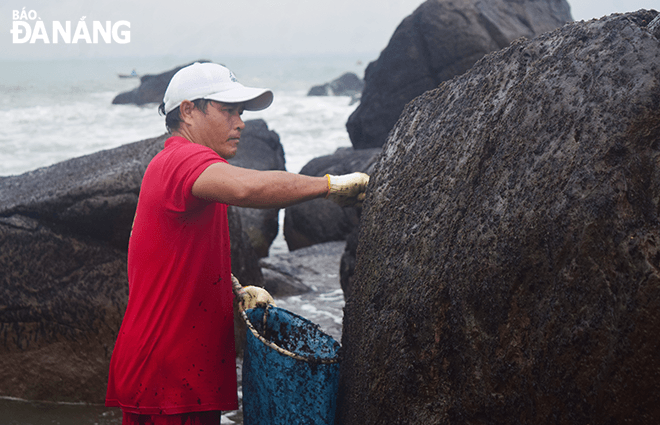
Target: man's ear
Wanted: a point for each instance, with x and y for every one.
(185, 111)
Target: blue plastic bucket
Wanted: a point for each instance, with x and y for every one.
(292, 376)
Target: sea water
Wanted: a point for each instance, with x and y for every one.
(51, 111)
(54, 110)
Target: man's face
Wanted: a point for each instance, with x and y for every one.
(219, 128)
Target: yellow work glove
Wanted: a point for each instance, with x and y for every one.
(347, 190)
(256, 297)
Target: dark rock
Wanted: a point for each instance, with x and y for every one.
(260, 227)
(63, 238)
(314, 268)
(317, 221)
(260, 149)
(348, 84)
(347, 262)
(320, 220)
(91, 196)
(439, 40)
(509, 253)
(62, 299)
(151, 89)
(244, 259)
(282, 284)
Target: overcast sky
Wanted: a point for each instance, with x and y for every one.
(211, 28)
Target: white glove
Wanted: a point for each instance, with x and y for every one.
(256, 297)
(347, 190)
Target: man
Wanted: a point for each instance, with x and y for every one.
(174, 360)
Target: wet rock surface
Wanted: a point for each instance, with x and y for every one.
(63, 242)
(62, 302)
(509, 252)
(347, 262)
(439, 40)
(314, 268)
(63, 236)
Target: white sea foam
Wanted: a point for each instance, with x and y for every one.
(308, 126)
(41, 135)
(42, 125)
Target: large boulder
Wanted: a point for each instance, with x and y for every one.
(151, 89)
(62, 299)
(63, 236)
(63, 241)
(439, 40)
(509, 252)
(321, 220)
(91, 196)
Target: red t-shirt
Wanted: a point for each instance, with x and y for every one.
(175, 350)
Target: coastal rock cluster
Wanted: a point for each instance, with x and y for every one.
(439, 40)
(151, 89)
(63, 238)
(64, 232)
(508, 264)
(348, 84)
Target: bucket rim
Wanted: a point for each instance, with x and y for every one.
(283, 351)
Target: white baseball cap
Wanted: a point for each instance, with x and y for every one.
(214, 82)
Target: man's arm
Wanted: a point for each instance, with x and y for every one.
(244, 187)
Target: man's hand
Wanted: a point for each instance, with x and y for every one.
(347, 190)
(256, 297)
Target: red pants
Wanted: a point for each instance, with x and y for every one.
(193, 418)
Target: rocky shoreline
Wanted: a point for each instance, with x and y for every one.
(64, 232)
(504, 269)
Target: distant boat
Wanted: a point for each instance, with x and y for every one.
(133, 74)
